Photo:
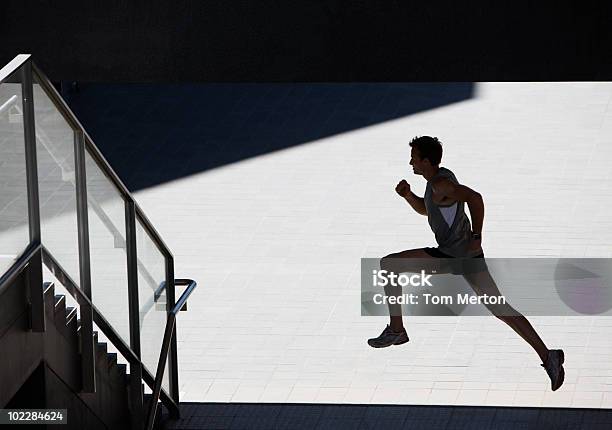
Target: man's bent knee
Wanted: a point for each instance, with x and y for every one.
(406, 261)
(386, 263)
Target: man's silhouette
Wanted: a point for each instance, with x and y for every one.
(459, 246)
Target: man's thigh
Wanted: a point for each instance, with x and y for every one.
(415, 260)
(482, 283)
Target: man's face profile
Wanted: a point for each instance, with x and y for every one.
(416, 162)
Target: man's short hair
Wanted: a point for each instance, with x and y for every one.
(429, 147)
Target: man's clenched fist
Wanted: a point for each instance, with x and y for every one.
(403, 188)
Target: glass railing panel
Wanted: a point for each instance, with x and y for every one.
(106, 216)
(55, 154)
(14, 227)
(153, 314)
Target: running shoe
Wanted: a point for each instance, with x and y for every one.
(389, 337)
(554, 368)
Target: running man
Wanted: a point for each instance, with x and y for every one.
(443, 205)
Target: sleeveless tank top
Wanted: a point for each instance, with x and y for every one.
(450, 224)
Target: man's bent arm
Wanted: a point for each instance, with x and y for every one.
(476, 206)
(464, 194)
(417, 203)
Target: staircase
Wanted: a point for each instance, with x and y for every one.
(52, 358)
(110, 402)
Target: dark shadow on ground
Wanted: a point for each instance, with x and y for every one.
(386, 417)
(154, 133)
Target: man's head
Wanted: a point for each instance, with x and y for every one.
(425, 155)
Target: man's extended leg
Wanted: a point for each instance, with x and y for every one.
(482, 283)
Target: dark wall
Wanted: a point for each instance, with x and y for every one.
(327, 40)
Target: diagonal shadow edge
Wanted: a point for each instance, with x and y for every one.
(153, 133)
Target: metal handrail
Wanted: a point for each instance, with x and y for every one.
(13, 66)
(71, 286)
(163, 355)
(17, 267)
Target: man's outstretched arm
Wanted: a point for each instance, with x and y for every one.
(417, 203)
(463, 194)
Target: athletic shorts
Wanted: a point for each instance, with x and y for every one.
(459, 265)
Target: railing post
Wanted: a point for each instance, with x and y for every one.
(36, 294)
(87, 346)
(173, 358)
(169, 334)
(136, 394)
(161, 365)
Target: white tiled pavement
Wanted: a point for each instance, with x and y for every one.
(275, 244)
